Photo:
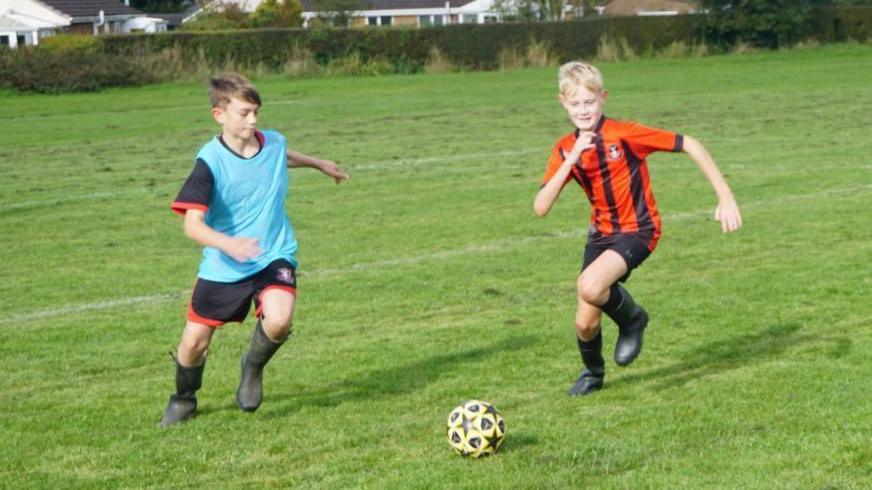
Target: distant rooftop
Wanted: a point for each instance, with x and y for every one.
(312, 5)
(91, 8)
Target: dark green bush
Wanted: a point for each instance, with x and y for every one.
(842, 24)
(54, 70)
(762, 23)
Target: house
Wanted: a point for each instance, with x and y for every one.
(104, 17)
(417, 13)
(24, 22)
(174, 20)
(649, 7)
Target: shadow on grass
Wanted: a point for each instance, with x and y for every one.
(395, 380)
(724, 355)
(518, 442)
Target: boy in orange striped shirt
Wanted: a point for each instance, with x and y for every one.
(607, 159)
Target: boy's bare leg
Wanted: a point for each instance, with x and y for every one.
(598, 285)
(271, 331)
(593, 286)
(190, 363)
(195, 341)
(597, 278)
(590, 345)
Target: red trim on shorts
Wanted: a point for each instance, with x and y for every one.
(181, 208)
(194, 317)
(289, 289)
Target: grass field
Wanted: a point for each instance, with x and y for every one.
(427, 280)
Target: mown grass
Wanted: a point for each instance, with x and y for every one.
(427, 280)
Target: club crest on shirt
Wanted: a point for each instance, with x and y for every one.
(285, 275)
(614, 152)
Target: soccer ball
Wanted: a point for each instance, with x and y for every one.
(476, 429)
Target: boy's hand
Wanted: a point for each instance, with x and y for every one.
(728, 214)
(585, 141)
(333, 169)
(242, 249)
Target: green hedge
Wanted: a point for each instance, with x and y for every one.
(842, 24)
(77, 65)
(140, 58)
(465, 46)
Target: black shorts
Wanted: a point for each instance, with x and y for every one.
(216, 303)
(632, 247)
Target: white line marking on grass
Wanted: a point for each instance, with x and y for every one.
(411, 162)
(500, 244)
(62, 200)
(98, 305)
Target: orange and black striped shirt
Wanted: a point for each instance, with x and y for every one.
(614, 175)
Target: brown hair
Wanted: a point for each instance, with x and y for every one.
(231, 86)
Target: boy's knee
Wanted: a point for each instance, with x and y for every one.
(192, 349)
(586, 330)
(591, 292)
(277, 326)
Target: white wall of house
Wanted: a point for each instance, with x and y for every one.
(476, 12)
(16, 34)
(35, 12)
(24, 22)
(147, 25)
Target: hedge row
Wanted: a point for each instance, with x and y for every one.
(466, 46)
(841, 24)
(135, 59)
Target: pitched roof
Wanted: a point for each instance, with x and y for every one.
(20, 21)
(313, 5)
(91, 8)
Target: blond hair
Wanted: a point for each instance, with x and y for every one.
(231, 86)
(577, 74)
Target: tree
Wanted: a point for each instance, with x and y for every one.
(278, 13)
(529, 10)
(839, 3)
(229, 16)
(765, 23)
(337, 13)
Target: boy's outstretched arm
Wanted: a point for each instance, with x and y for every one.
(241, 249)
(329, 167)
(727, 211)
(549, 192)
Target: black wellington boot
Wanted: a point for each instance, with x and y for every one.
(183, 403)
(591, 378)
(632, 320)
(261, 350)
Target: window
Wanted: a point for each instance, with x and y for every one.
(438, 20)
(373, 21)
(4, 40)
(424, 21)
(21, 40)
(469, 19)
(386, 20)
